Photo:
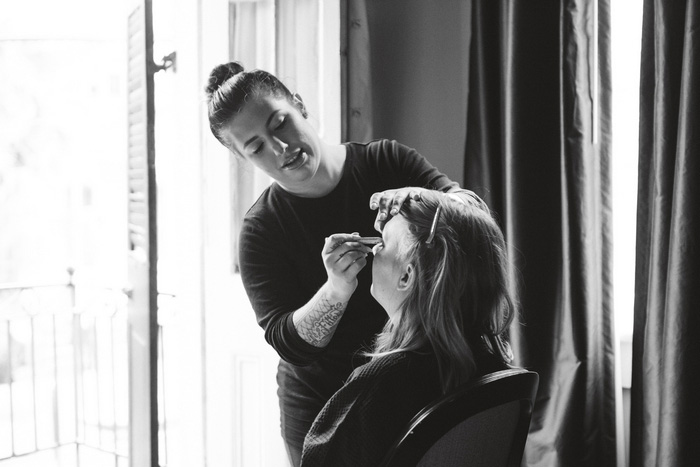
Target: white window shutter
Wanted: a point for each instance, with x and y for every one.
(143, 253)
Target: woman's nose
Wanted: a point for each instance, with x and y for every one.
(280, 147)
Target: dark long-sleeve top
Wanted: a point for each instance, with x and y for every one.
(361, 421)
(281, 265)
(366, 416)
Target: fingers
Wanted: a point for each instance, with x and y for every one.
(370, 241)
(379, 222)
(389, 202)
(344, 257)
(341, 251)
(352, 265)
(345, 242)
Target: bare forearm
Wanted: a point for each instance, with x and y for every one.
(343, 257)
(317, 321)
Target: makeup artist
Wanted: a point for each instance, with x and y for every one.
(302, 278)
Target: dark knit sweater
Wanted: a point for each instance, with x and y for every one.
(365, 417)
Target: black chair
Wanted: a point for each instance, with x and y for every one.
(483, 423)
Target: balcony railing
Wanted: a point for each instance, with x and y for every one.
(63, 374)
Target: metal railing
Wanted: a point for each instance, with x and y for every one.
(63, 370)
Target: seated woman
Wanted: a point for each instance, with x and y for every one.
(440, 273)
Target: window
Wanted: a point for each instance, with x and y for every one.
(63, 378)
(299, 42)
(626, 26)
(626, 50)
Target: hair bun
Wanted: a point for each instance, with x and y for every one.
(220, 74)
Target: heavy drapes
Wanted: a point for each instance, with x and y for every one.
(665, 409)
(538, 143)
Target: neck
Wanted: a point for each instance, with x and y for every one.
(330, 171)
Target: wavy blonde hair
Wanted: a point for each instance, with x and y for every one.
(460, 297)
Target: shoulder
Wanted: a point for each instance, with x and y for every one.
(266, 205)
(384, 147)
(262, 224)
(374, 377)
(380, 365)
(394, 370)
(386, 386)
(264, 213)
(376, 370)
(385, 156)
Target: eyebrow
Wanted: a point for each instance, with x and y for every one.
(267, 123)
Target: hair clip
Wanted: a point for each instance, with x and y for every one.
(432, 227)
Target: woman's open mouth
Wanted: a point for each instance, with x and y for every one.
(296, 161)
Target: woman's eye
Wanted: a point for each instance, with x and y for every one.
(280, 123)
(258, 149)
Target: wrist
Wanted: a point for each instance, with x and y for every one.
(336, 294)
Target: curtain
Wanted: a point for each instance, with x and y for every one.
(665, 409)
(538, 151)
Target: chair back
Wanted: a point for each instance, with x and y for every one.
(482, 423)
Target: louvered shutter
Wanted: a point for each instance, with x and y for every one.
(143, 253)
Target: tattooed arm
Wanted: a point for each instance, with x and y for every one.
(317, 321)
(343, 259)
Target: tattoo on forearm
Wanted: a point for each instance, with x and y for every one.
(318, 326)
